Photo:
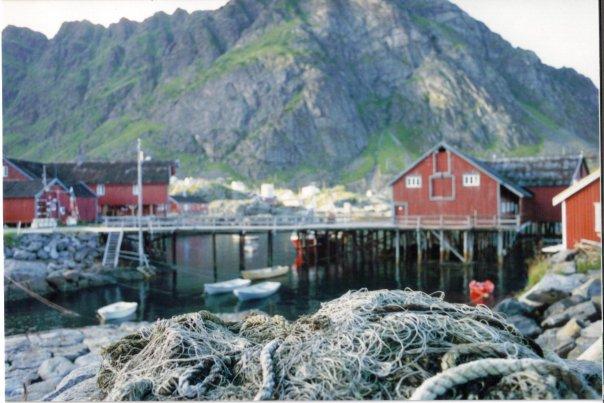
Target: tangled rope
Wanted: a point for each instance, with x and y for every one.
(363, 345)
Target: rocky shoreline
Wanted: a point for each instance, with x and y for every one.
(563, 311)
(57, 263)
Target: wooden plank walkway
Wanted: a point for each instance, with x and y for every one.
(238, 224)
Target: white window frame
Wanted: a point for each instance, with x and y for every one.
(598, 218)
(135, 190)
(100, 189)
(471, 180)
(5, 171)
(413, 182)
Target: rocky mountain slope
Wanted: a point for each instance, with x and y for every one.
(335, 90)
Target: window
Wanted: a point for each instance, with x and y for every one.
(471, 180)
(414, 181)
(598, 217)
(135, 190)
(100, 189)
(5, 170)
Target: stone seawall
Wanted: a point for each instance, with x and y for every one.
(57, 263)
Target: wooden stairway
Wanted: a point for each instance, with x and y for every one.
(112, 249)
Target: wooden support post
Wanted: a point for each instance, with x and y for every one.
(174, 248)
(214, 259)
(500, 247)
(441, 246)
(466, 250)
(269, 257)
(397, 249)
(241, 251)
(418, 238)
(327, 245)
(355, 246)
(404, 245)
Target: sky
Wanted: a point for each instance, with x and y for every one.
(563, 33)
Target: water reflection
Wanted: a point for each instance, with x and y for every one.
(313, 279)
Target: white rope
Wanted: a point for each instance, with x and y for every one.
(268, 374)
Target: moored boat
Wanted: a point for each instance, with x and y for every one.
(257, 291)
(117, 310)
(480, 290)
(225, 286)
(267, 272)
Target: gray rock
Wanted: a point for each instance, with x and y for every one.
(84, 391)
(527, 326)
(582, 344)
(553, 287)
(598, 303)
(52, 267)
(29, 359)
(571, 330)
(563, 256)
(20, 254)
(78, 375)
(71, 352)
(22, 375)
(563, 305)
(15, 344)
(34, 246)
(591, 288)
(8, 252)
(71, 275)
(87, 359)
(585, 311)
(56, 279)
(43, 255)
(13, 389)
(57, 338)
(594, 330)
(55, 367)
(96, 280)
(36, 391)
(555, 320)
(511, 307)
(564, 268)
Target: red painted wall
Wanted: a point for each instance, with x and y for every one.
(539, 208)
(18, 209)
(119, 195)
(13, 174)
(580, 214)
(481, 200)
(87, 208)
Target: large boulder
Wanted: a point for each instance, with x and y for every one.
(15, 344)
(36, 391)
(71, 275)
(593, 352)
(591, 288)
(56, 367)
(28, 359)
(563, 305)
(563, 256)
(20, 254)
(87, 359)
(14, 389)
(57, 338)
(85, 391)
(585, 311)
(527, 326)
(71, 352)
(511, 307)
(34, 246)
(553, 287)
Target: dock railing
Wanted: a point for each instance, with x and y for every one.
(457, 221)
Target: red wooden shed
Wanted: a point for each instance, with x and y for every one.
(581, 211)
(447, 182)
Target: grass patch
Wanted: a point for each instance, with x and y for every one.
(535, 112)
(587, 263)
(538, 267)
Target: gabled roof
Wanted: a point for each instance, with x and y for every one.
(81, 190)
(539, 171)
(574, 188)
(514, 188)
(188, 199)
(118, 172)
(27, 189)
(22, 170)
(22, 189)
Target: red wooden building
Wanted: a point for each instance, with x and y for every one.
(188, 204)
(446, 182)
(543, 177)
(581, 211)
(94, 188)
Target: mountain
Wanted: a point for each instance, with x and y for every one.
(342, 91)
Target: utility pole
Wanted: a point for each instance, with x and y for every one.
(139, 171)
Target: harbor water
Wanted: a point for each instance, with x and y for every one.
(314, 278)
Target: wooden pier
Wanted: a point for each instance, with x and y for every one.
(460, 237)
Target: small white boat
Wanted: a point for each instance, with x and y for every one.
(267, 272)
(250, 248)
(256, 291)
(553, 248)
(225, 286)
(117, 310)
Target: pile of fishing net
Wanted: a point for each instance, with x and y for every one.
(363, 345)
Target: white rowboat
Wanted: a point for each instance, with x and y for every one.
(267, 272)
(256, 291)
(117, 310)
(225, 286)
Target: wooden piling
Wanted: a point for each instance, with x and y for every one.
(397, 248)
(418, 238)
(241, 251)
(441, 246)
(269, 257)
(500, 247)
(214, 259)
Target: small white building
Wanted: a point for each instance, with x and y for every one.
(267, 191)
(238, 186)
(309, 191)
